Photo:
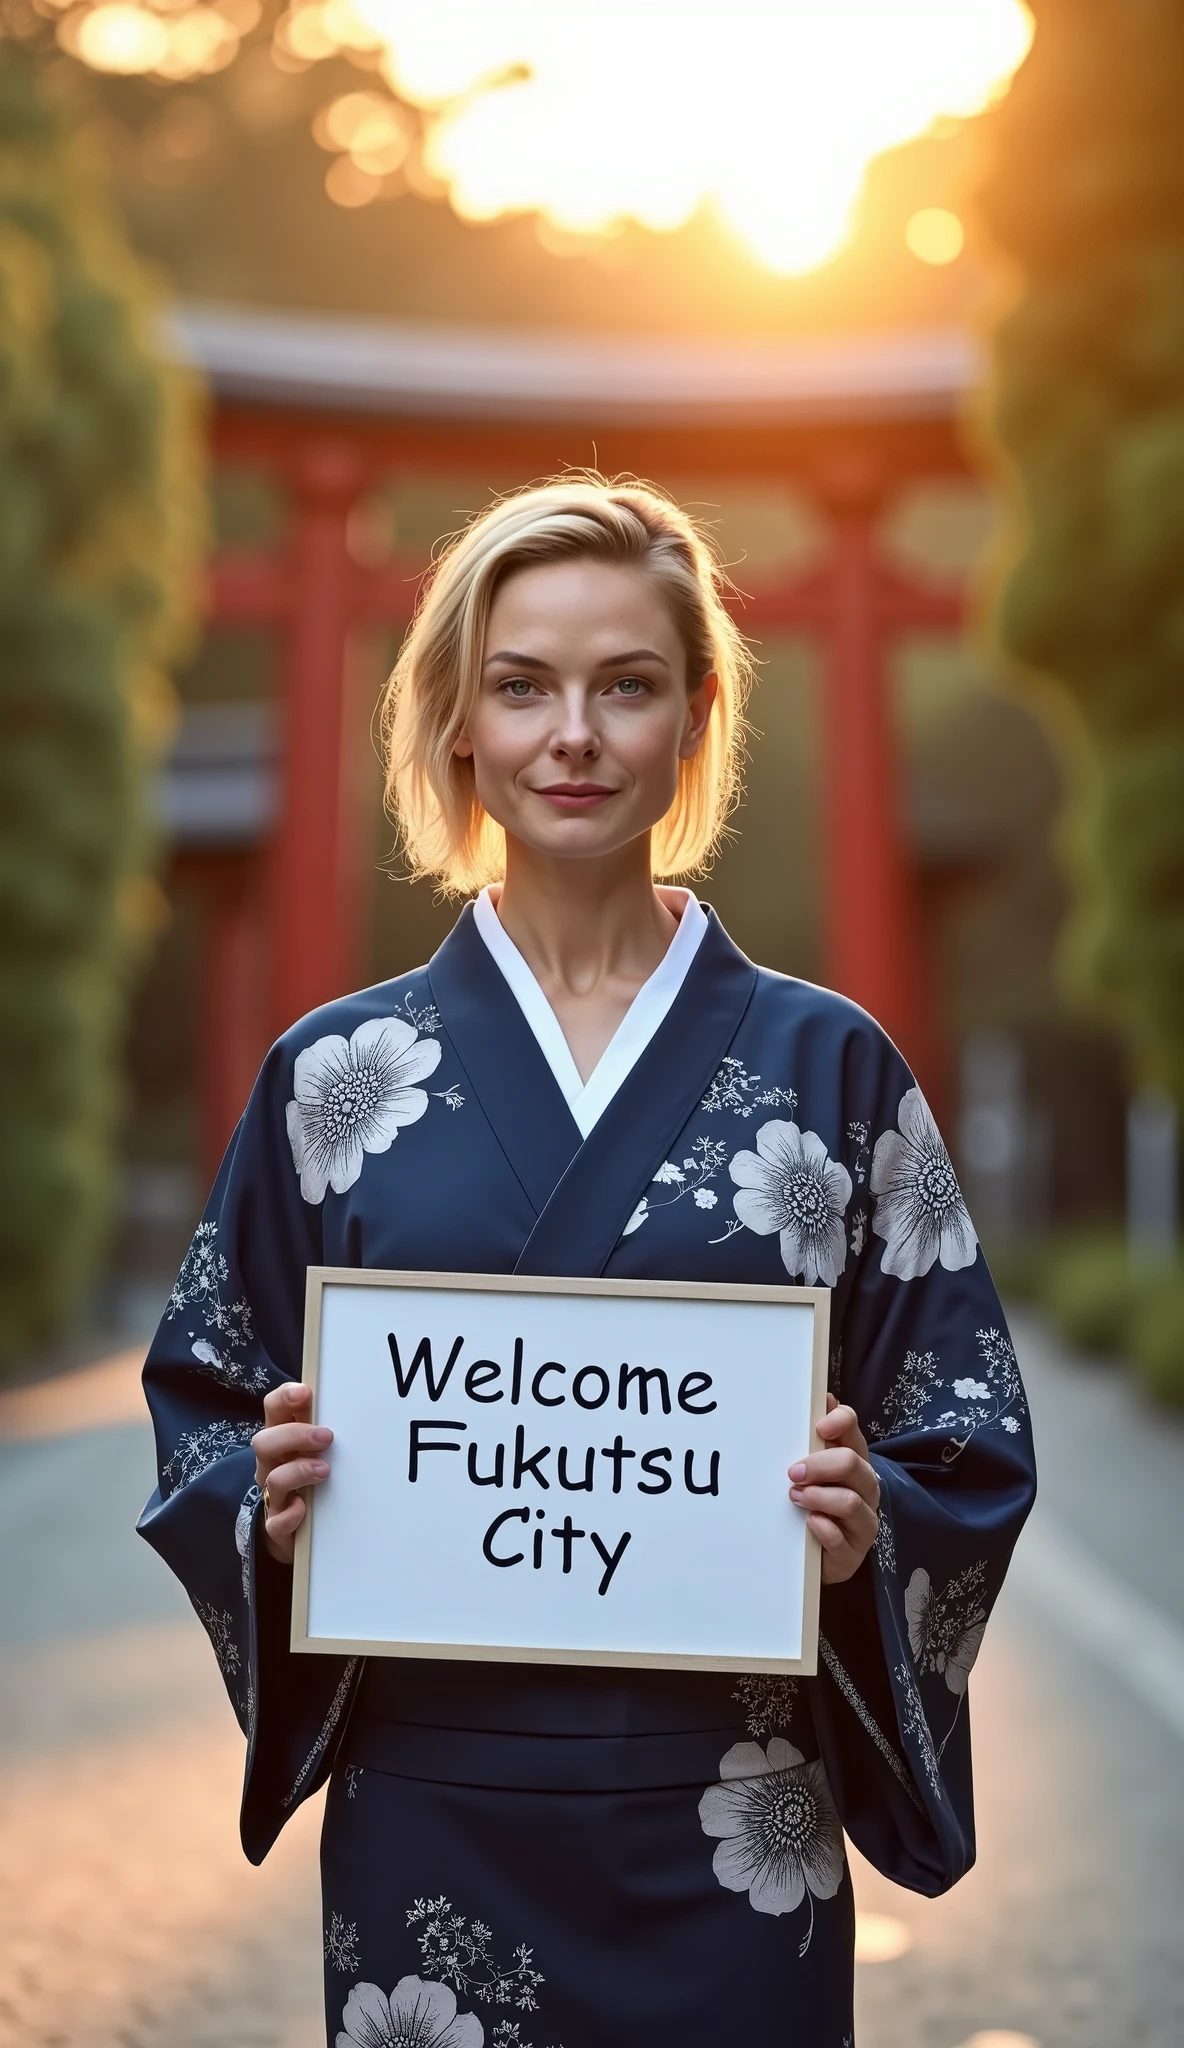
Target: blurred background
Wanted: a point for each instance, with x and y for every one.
(892, 296)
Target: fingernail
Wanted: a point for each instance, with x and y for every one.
(320, 1470)
(797, 1471)
(322, 1436)
(795, 1494)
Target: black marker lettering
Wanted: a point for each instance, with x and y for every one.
(423, 1356)
(523, 1464)
(612, 1562)
(538, 1550)
(693, 1383)
(643, 1376)
(664, 1481)
(418, 1446)
(616, 1454)
(479, 1374)
(688, 1470)
(516, 1375)
(498, 1475)
(507, 1515)
(547, 1400)
(583, 1485)
(567, 1535)
(591, 1372)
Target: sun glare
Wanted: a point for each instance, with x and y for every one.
(597, 112)
(593, 113)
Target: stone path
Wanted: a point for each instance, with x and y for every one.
(129, 1918)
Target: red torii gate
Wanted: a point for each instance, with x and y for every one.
(332, 407)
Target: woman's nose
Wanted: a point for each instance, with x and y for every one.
(575, 734)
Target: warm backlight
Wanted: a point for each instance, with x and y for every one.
(593, 112)
(935, 235)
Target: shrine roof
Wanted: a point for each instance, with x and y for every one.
(411, 367)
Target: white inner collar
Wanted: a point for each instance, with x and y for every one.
(587, 1100)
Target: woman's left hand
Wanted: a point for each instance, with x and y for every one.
(840, 1492)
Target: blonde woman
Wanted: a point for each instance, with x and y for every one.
(589, 1077)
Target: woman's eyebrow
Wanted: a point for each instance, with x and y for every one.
(633, 654)
(507, 654)
(519, 660)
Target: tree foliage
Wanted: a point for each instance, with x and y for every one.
(99, 524)
(1087, 198)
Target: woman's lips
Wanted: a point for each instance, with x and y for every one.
(575, 796)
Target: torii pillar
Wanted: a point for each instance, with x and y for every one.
(872, 949)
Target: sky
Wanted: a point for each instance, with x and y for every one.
(593, 113)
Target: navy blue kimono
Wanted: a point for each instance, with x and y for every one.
(539, 1855)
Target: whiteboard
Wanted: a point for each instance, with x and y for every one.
(561, 1471)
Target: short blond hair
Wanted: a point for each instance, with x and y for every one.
(431, 791)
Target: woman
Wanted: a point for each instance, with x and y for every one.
(589, 1077)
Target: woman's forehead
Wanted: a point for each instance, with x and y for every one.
(594, 602)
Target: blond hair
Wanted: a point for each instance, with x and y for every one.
(431, 791)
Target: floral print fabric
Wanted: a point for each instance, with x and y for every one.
(779, 1833)
(354, 1096)
(919, 1211)
(786, 1141)
(790, 1186)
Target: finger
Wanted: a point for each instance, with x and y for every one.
(289, 1478)
(286, 1520)
(287, 1440)
(830, 1536)
(281, 1404)
(841, 1426)
(842, 1467)
(840, 1502)
(832, 1402)
(838, 1423)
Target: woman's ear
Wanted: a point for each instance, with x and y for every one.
(462, 747)
(700, 705)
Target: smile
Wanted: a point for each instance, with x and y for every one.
(575, 796)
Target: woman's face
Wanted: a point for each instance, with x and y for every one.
(583, 713)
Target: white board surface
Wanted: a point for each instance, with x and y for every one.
(414, 1547)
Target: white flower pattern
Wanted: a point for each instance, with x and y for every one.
(791, 1185)
(777, 1828)
(919, 1211)
(353, 1096)
(768, 1701)
(946, 1630)
(201, 1285)
(199, 1449)
(416, 2015)
(341, 1945)
(460, 1952)
(736, 1089)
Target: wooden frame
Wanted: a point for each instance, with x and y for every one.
(320, 1277)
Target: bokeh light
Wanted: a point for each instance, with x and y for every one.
(600, 111)
(594, 113)
(935, 235)
(881, 1938)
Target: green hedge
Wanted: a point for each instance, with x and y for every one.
(1087, 201)
(1104, 1301)
(101, 520)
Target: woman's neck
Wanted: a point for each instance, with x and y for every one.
(591, 932)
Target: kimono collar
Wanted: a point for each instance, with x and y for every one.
(587, 1100)
(583, 1193)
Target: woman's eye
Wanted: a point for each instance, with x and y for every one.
(631, 686)
(518, 686)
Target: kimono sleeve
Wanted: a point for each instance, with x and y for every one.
(924, 1358)
(232, 1330)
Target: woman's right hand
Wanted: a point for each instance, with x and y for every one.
(289, 1454)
